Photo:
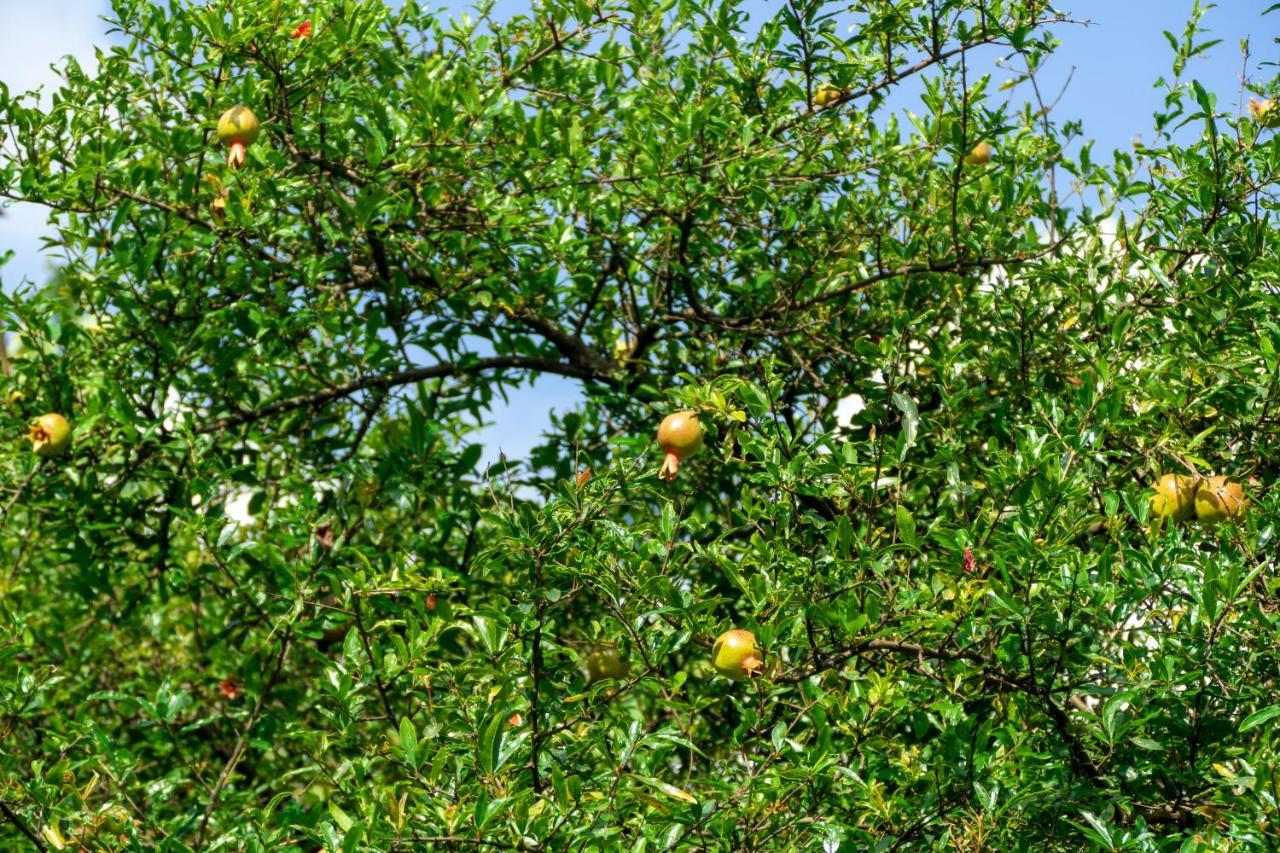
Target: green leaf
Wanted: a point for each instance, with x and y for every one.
(1257, 718)
(340, 817)
(490, 742)
(910, 421)
(906, 525)
(409, 742)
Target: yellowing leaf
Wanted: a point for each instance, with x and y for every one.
(668, 789)
(340, 817)
(55, 839)
(662, 807)
(88, 789)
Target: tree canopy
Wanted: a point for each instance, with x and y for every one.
(269, 599)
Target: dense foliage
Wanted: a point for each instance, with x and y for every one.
(268, 600)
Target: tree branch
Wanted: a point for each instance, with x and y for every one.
(238, 751)
(13, 818)
(404, 377)
(569, 345)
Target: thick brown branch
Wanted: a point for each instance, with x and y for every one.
(404, 377)
(570, 345)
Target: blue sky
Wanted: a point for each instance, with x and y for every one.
(1112, 64)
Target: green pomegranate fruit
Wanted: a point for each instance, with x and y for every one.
(238, 128)
(1174, 497)
(1219, 499)
(679, 436)
(736, 655)
(980, 155)
(50, 435)
(603, 662)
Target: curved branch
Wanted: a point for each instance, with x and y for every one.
(951, 266)
(387, 381)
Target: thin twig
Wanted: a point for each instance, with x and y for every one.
(13, 818)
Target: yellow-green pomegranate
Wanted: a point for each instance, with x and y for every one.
(736, 655)
(980, 155)
(1174, 497)
(679, 436)
(50, 435)
(603, 662)
(1219, 499)
(826, 95)
(238, 128)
